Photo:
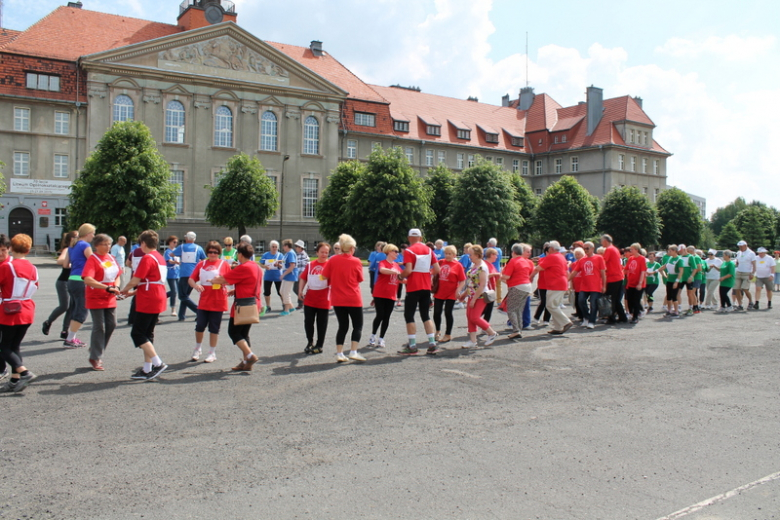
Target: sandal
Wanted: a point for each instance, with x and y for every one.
(514, 335)
(445, 339)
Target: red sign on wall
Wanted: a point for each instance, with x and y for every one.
(44, 203)
(42, 211)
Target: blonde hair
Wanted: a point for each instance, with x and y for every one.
(86, 229)
(490, 251)
(637, 246)
(451, 249)
(228, 241)
(476, 250)
(347, 243)
(389, 248)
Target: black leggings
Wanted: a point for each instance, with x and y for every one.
(634, 297)
(12, 336)
(310, 315)
(239, 332)
(143, 328)
(649, 290)
(488, 312)
(414, 298)
(542, 306)
(384, 309)
(344, 315)
(447, 305)
(725, 301)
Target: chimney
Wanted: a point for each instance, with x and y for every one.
(505, 100)
(638, 101)
(77, 5)
(194, 14)
(526, 98)
(316, 48)
(595, 101)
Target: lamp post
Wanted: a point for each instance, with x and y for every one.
(281, 202)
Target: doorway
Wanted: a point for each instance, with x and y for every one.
(21, 220)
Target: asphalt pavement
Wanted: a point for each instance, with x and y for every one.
(666, 419)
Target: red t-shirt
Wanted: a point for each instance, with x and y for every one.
(211, 299)
(555, 272)
(386, 285)
(491, 281)
(246, 279)
(451, 273)
(24, 269)
(577, 281)
(317, 298)
(418, 281)
(614, 265)
(151, 298)
(519, 271)
(635, 266)
(589, 269)
(344, 274)
(95, 268)
(541, 282)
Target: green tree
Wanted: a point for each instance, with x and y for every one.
(729, 237)
(565, 212)
(3, 187)
(484, 205)
(680, 218)
(331, 208)
(387, 200)
(244, 197)
(756, 224)
(708, 239)
(528, 202)
(125, 186)
(629, 217)
(441, 183)
(724, 215)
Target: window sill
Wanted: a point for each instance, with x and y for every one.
(270, 152)
(315, 156)
(224, 148)
(177, 145)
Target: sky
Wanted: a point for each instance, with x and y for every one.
(708, 72)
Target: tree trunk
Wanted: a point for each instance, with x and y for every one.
(241, 231)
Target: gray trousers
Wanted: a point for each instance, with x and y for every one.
(711, 298)
(515, 305)
(103, 325)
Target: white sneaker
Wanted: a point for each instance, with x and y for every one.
(356, 357)
(585, 324)
(590, 325)
(196, 354)
(372, 340)
(545, 323)
(468, 344)
(528, 328)
(341, 358)
(562, 306)
(210, 358)
(490, 339)
(381, 343)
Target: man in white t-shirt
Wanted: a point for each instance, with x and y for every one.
(746, 268)
(765, 276)
(712, 278)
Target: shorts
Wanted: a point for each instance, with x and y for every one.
(211, 318)
(742, 281)
(414, 298)
(696, 284)
(267, 287)
(671, 291)
(687, 285)
(766, 283)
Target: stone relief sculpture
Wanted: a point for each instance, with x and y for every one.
(224, 53)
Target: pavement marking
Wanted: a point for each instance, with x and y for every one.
(721, 498)
(460, 373)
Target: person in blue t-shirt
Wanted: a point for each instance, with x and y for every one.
(374, 258)
(438, 249)
(172, 262)
(189, 254)
(78, 252)
(289, 276)
(272, 263)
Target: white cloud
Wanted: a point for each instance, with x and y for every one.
(731, 47)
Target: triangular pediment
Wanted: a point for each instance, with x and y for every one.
(224, 51)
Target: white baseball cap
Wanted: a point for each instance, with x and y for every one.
(300, 243)
(414, 232)
(711, 252)
(761, 250)
(741, 243)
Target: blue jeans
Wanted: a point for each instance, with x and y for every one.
(527, 313)
(584, 299)
(184, 297)
(173, 286)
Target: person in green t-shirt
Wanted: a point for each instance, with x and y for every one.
(687, 277)
(229, 252)
(652, 280)
(670, 264)
(728, 272)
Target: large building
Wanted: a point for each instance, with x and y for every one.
(209, 89)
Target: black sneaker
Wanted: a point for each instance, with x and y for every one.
(64, 334)
(308, 349)
(45, 327)
(769, 305)
(141, 375)
(156, 371)
(755, 306)
(316, 350)
(24, 381)
(9, 386)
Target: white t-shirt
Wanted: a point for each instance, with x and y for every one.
(764, 266)
(745, 261)
(713, 274)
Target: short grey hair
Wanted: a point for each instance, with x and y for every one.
(190, 235)
(517, 249)
(492, 242)
(273, 243)
(246, 239)
(590, 244)
(554, 244)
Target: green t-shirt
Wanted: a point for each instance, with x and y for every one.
(229, 255)
(687, 262)
(700, 265)
(652, 279)
(671, 264)
(727, 268)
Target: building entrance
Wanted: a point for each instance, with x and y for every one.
(21, 220)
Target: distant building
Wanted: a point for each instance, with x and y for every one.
(209, 89)
(701, 203)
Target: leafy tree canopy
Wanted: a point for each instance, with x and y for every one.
(565, 212)
(756, 224)
(331, 208)
(125, 186)
(387, 200)
(441, 183)
(629, 217)
(2, 180)
(729, 237)
(484, 205)
(724, 215)
(680, 217)
(245, 196)
(528, 202)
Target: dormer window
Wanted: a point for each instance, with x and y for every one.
(491, 138)
(365, 119)
(563, 138)
(464, 134)
(401, 126)
(433, 129)
(517, 141)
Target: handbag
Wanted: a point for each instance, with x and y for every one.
(246, 311)
(489, 295)
(12, 307)
(604, 305)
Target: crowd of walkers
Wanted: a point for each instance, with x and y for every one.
(601, 283)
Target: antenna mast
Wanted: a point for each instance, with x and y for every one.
(1, 14)
(526, 56)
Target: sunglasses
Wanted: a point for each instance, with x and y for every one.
(212, 252)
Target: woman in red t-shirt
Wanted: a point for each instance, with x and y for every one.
(636, 269)
(385, 294)
(541, 286)
(18, 283)
(246, 278)
(452, 278)
(344, 273)
(316, 299)
(100, 275)
(148, 286)
(212, 302)
(517, 275)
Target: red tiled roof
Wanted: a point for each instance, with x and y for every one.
(467, 113)
(7, 35)
(543, 113)
(69, 32)
(331, 69)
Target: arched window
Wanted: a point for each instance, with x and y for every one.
(174, 122)
(223, 127)
(268, 132)
(311, 136)
(123, 108)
